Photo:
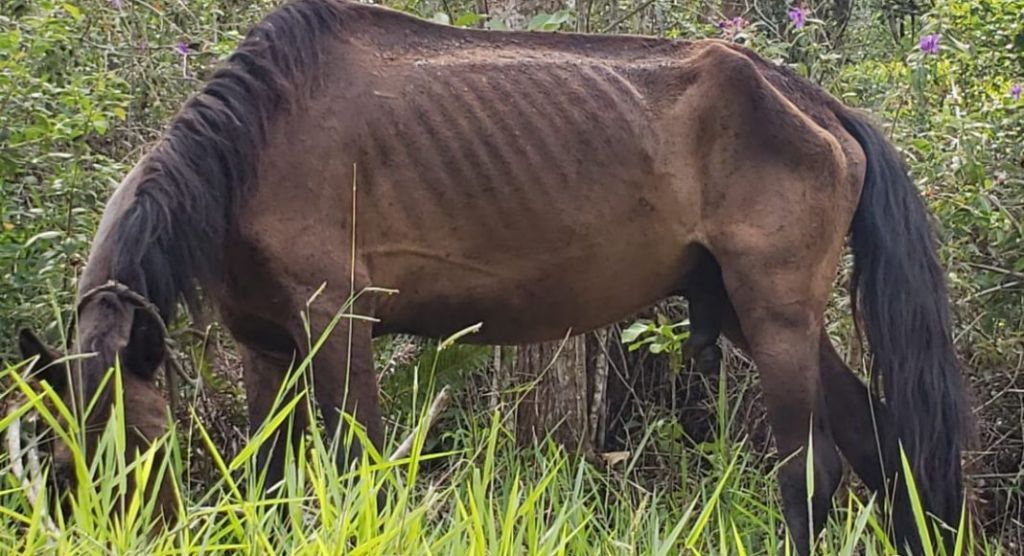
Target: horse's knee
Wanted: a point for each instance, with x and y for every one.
(709, 361)
(699, 342)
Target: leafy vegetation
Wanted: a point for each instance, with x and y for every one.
(86, 85)
(481, 495)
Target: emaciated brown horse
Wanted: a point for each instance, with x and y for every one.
(536, 183)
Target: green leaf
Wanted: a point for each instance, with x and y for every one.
(920, 520)
(100, 124)
(9, 40)
(450, 340)
(72, 9)
(52, 234)
(467, 20)
(548, 22)
(495, 24)
(537, 22)
(634, 331)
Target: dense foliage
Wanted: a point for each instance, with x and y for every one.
(85, 86)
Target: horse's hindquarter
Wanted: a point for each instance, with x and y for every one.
(518, 188)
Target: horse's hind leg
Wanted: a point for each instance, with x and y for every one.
(844, 403)
(707, 300)
(779, 287)
(783, 335)
(863, 430)
(860, 422)
(777, 199)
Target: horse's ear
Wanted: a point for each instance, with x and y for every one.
(146, 348)
(31, 346)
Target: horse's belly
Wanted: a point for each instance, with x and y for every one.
(523, 300)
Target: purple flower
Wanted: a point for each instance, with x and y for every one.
(798, 15)
(733, 25)
(930, 43)
(1015, 91)
(117, 4)
(181, 48)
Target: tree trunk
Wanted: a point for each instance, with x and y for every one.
(554, 376)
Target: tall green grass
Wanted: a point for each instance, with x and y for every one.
(483, 496)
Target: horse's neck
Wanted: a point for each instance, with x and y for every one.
(98, 268)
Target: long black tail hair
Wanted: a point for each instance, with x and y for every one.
(899, 288)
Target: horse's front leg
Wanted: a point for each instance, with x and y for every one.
(343, 376)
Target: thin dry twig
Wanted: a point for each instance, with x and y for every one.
(32, 483)
(440, 403)
(640, 7)
(998, 270)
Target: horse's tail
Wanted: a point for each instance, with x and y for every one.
(899, 288)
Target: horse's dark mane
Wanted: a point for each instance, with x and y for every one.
(198, 175)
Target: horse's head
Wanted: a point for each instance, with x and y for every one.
(115, 325)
